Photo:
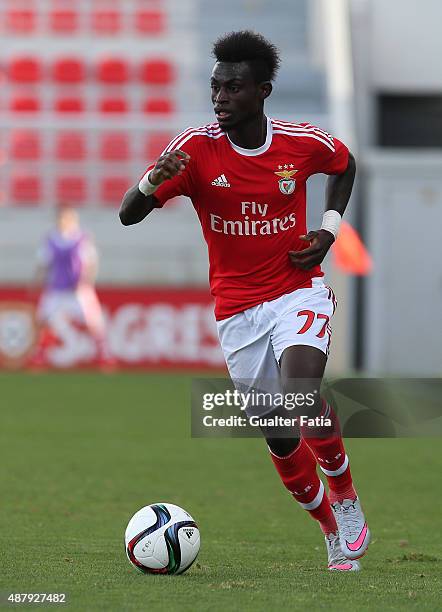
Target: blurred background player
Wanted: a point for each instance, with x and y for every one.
(67, 269)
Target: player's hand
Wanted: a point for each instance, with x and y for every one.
(169, 165)
(313, 255)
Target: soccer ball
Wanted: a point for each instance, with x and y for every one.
(162, 539)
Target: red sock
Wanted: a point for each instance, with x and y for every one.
(298, 474)
(46, 340)
(330, 453)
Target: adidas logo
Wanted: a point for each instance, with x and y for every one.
(221, 181)
(188, 532)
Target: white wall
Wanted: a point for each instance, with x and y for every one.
(406, 44)
(397, 47)
(403, 295)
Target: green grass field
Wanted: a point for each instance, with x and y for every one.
(80, 453)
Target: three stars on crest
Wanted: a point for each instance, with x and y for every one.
(285, 172)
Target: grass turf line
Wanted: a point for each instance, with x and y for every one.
(82, 452)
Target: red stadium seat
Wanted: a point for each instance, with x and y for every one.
(113, 189)
(114, 146)
(25, 144)
(68, 70)
(24, 104)
(70, 146)
(150, 22)
(113, 70)
(113, 105)
(156, 143)
(26, 189)
(25, 69)
(157, 72)
(20, 21)
(158, 106)
(106, 21)
(63, 21)
(71, 189)
(69, 104)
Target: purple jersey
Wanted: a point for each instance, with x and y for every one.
(63, 256)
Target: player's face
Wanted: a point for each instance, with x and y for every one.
(67, 220)
(236, 97)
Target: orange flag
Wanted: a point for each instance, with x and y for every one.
(349, 253)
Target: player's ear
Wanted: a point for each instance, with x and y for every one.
(265, 89)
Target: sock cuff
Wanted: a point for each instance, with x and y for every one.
(337, 472)
(317, 499)
(294, 451)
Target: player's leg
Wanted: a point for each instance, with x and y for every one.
(328, 447)
(301, 342)
(48, 306)
(302, 369)
(91, 315)
(297, 470)
(246, 344)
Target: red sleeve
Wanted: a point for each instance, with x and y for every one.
(183, 184)
(328, 154)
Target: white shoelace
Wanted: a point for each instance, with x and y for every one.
(349, 521)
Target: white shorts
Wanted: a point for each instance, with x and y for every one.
(79, 305)
(254, 340)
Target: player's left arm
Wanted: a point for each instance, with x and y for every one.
(89, 261)
(337, 195)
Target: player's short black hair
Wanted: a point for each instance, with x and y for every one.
(247, 46)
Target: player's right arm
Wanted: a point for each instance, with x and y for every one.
(140, 200)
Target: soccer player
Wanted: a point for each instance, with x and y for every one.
(67, 262)
(246, 175)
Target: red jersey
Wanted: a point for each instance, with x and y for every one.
(251, 204)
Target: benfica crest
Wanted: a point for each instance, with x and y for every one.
(286, 183)
(18, 334)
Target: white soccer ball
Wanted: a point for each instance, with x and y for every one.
(162, 539)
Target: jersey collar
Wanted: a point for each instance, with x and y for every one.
(262, 149)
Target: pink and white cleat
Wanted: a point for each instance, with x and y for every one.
(337, 562)
(352, 526)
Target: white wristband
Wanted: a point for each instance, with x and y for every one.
(331, 222)
(145, 186)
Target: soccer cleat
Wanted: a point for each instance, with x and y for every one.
(337, 562)
(352, 526)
